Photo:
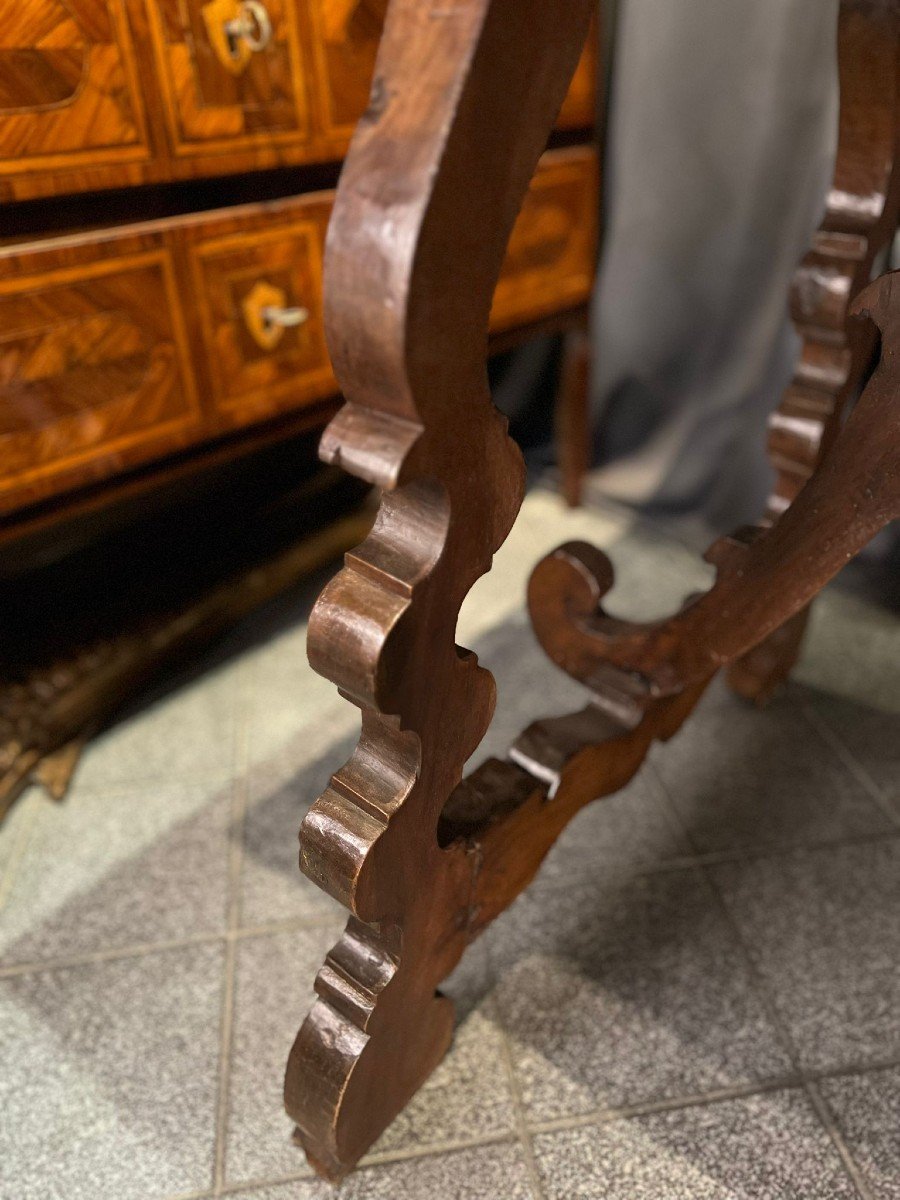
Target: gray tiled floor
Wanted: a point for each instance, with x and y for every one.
(728, 803)
(629, 991)
(697, 998)
(768, 1147)
(867, 1109)
(823, 926)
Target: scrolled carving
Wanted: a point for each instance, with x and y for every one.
(764, 576)
(861, 215)
(464, 97)
(463, 100)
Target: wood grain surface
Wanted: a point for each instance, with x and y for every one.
(120, 346)
(423, 858)
(860, 221)
(96, 95)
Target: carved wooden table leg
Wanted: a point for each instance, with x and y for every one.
(463, 99)
(573, 422)
(860, 220)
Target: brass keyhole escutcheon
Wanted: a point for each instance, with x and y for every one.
(267, 314)
(237, 29)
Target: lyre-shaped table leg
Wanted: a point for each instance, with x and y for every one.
(464, 97)
(860, 221)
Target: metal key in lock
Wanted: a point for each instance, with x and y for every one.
(237, 29)
(267, 314)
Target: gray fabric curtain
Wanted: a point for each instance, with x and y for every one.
(720, 147)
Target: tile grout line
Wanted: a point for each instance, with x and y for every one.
(561, 1125)
(771, 1009)
(433, 1150)
(143, 949)
(90, 957)
(628, 1112)
(524, 1138)
(291, 924)
(827, 1119)
(852, 1169)
(849, 760)
(235, 862)
(756, 850)
(759, 984)
(523, 1132)
(374, 1162)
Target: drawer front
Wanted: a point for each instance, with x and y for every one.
(345, 41)
(106, 93)
(551, 258)
(232, 73)
(68, 88)
(579, 110)
(259, 298)
(93, 373)
(101, 368)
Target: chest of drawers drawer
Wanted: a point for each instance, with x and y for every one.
(124, 346)
(70, 94)
(256, 285)
(233, 75)
(551, 257)
(99, 93)
(95, 371)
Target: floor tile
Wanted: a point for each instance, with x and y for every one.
(740, 777)
(630, 990)
(286, 697)
(529, 686)
(824, 927)
(851, 650)
(616, 979)
(495, 1172)
(466, 1098)
(117, 869)
(273, 993)
(544, 522)
(108, 1086)
(653, 578)
(273, 887)
(867, 1109)
(869, 735)
(187, 733)
(15, 833)
(654, 574)
(768, 1147)
(631, 831)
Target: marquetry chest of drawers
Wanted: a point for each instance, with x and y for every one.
(125, 340)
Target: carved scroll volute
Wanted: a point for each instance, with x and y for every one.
(860, 219)
(764, 576)
(464, 97)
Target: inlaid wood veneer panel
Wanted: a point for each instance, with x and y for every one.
(551, 258)
(113, 93)
(251, 378)
(123, 346)
(345, 42)
(69, 92)
(260, 99)
(94, 372)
